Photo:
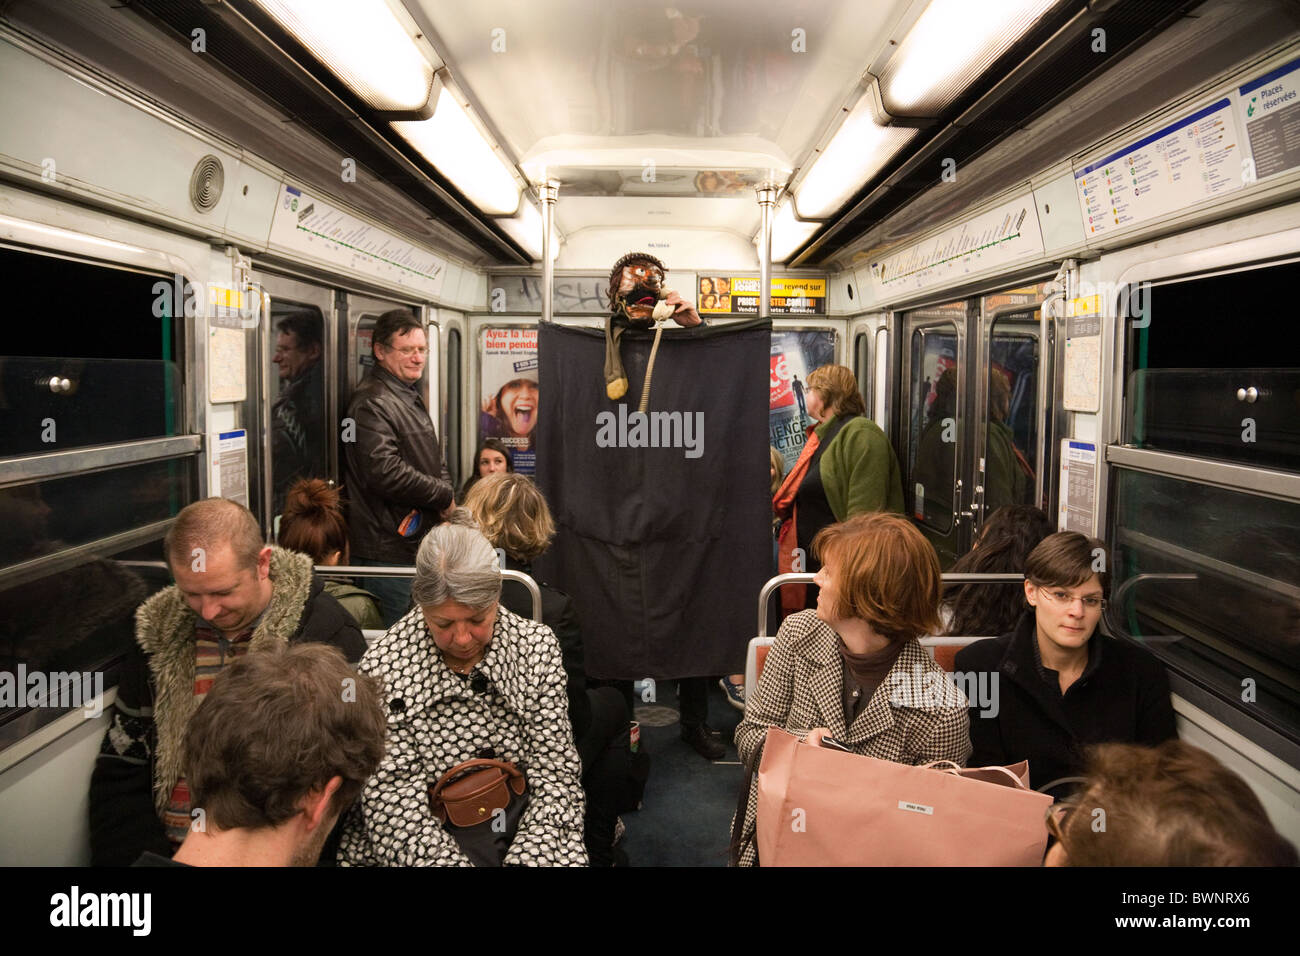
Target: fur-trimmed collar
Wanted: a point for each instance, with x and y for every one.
(164, 629)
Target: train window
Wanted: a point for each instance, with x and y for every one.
(933, 425)
(45, 519)
(118, 380)
(451, 440)
(1211, 372)
(1012, 400)
(862, 366)
(299, 439)
(1235, 626)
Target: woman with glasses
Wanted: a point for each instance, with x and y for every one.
(1056, 684)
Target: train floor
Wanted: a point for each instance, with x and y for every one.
(685, 817)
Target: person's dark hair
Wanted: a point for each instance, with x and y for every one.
(1172, 805)
(313, 522)
(306, 327)
(213, 524)
(1005, 543)
(278, 723)
(496, 444)
(392, 323)
(945, 397)
(1068, 559)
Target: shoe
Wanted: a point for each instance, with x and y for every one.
(704, 743)
(735, 693)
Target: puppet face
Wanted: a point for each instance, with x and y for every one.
(639, 290)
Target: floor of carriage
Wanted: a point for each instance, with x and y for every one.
(685, 816)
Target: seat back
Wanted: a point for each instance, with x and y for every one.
(943, 650)
(755, 658)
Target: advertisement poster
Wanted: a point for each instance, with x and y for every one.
(794, 355)
(738, 295)
(509, 401)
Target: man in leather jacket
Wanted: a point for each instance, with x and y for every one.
(395, 477)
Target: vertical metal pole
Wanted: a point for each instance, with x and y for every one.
(767, 206)
(548, 192)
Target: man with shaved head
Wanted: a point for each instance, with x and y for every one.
(233, 594)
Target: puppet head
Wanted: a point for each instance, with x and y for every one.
(636, 285)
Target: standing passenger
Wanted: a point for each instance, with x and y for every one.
(397, 479)
(1057, 683)
(847, 468)
(232, 595)
(850, 668)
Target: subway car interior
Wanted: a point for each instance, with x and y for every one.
(1052, 240)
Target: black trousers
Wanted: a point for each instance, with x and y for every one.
(692, 698)
(604, 753)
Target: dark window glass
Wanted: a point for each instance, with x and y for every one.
(1010, 445)
(118, 379)
(451, 441)
(45, 518)
(862, 367)
(933, 426)
(299, 440)
(1214, 368)
(1235, 628)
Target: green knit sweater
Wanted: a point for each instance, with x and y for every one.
(860, 470)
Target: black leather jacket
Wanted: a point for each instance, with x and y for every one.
(394, 465)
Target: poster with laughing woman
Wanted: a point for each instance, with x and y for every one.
(508, 381)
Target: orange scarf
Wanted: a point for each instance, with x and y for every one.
(793, 596)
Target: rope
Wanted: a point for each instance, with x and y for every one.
(650, 367)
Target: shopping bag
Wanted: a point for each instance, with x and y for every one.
(822, 807)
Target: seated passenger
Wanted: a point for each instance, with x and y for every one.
(848, 668)
(491, 457)
(1057, 683)
(1172, 805)
(514, 517)
(279, 748)
(467, 679)
(1003, 546)
(232, 595)
(313, 524)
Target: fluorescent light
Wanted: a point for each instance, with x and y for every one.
(526, 229)
(364, 44)
(859, 149)
(788, 233)
(452, 142)
(951, 45)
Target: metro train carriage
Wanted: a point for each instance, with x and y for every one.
(1056, 242)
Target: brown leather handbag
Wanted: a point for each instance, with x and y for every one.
(471, 792)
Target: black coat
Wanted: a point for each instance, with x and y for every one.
(557, 614)
(394, 465)
(1122, 696)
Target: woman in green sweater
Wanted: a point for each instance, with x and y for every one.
(848, 467)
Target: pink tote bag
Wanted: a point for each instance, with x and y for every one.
(821, 807)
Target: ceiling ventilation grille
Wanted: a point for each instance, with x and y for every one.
(206, 183)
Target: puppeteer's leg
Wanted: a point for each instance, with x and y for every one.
(615, 376)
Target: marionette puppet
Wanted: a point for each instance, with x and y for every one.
(638, 299)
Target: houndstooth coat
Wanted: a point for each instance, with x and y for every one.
(436, 720)
(802, 689)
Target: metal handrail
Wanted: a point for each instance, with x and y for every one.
(803, 577)
(392, 571)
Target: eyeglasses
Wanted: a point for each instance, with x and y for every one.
(410, 350)
(1066, 599)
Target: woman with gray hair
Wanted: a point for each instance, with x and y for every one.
(481, 769)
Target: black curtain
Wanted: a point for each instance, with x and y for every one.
(663, 549)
